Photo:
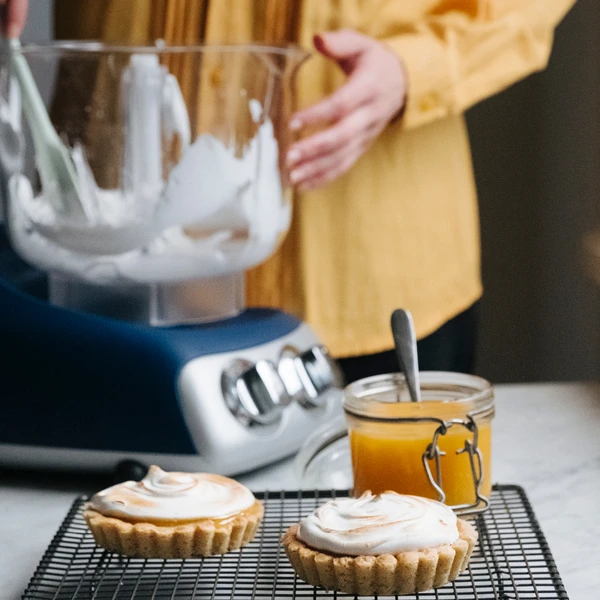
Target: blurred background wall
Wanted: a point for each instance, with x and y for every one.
(536, 150)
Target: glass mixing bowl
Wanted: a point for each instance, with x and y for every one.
(178, 155)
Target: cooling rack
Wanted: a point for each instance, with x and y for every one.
(511, 562)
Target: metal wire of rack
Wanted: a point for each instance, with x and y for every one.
(511, 562)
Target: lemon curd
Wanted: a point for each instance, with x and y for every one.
(389, 434)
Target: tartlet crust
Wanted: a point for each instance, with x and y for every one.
(204, 537)
(385, 574)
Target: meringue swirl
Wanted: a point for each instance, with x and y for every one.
(388, 523)
(173, 496)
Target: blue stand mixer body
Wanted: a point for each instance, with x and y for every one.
(178, 204)
(85, 391)
(105, 384)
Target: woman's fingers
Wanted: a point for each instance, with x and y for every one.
(331, 165)
(15, 17)
(335, 107)
(354, 115)
(344, 46)
(328, 162)
(330, 172)
(352, 128)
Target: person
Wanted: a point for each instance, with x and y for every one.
(14, 16)
(387, 210)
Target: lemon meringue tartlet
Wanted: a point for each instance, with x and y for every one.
(174, 515)
(388, 544)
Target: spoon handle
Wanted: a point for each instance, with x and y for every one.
(33, 104)
(52, 156)
(405, 340)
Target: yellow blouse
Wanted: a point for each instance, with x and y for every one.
(401, 228)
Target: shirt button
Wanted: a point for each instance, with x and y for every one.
(429, 102)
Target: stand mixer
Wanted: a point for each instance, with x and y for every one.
(143, 348)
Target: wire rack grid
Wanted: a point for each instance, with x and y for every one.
(511, 562)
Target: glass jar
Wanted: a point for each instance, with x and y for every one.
(438, 448)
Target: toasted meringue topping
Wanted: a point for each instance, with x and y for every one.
(174, 496)
(384, 524)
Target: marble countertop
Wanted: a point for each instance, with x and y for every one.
(545, 439)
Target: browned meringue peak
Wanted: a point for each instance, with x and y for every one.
(174, 496)
(387, 523)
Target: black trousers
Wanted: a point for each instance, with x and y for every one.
(449, 348)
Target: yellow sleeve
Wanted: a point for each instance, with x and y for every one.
(458, 52)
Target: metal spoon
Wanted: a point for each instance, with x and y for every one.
(403, 329)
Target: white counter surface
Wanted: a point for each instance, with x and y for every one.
(546, 438)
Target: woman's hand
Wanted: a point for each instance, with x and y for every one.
(14, 15)
(355, 114)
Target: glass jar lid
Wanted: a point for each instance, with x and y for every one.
(324, 461)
